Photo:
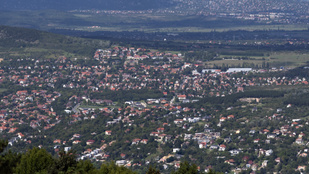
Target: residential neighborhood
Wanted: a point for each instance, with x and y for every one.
(140, 107)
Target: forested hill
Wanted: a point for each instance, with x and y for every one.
(28, 39)
(82, 4)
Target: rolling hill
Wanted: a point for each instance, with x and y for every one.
(21, 42)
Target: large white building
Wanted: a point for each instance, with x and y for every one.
(231, 70)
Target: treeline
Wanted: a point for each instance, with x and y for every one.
(39, 161)
(300, 72)
(244, 53)
(127, 95)
(298, 100)
(229, 99)
(200, 55)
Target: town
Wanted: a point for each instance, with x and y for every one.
(142, 107)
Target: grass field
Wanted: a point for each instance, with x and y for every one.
(292, 58)
(286, 59)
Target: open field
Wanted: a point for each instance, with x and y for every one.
(297, 59)
(286, 59)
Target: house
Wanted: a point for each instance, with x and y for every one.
(108, 132)
(90, 142)
(222, 147)
(136, 141)
(178, 121)
(234, 152)
(254, 167)
(76, 136)
(222, 119)
(76, 142)
(304, 155)
(202, 145)
(20, 135)
(123, 155)
(57, 141)
(181, 97)
(301, 168)
(66, 149)
(154, 134)
(175, 150)
(188, 137)
(144, 141)
(230, 117)
(160, 137)
(230, 161)
(19, 93)
(214, 147)
(160, 130)
(121, 162)
(271, 136)
(264, 163)
(299, 141)
(269, 152)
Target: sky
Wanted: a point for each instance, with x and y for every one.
(81, 4)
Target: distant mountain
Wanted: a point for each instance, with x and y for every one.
(84, 4)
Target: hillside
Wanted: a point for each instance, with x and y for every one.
(20, 42)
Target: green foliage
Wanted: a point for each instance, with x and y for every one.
(199, 55)
(112, 168)
(41, 162)
(85, 167)
(186, 168)
(296, 72)
(66, 161)
(3, 145)
(152, 170)
(213, 172)
(8, 162)
(234, 97)
(35, 160)
(298, 100)
(123, 95)
(45, 44)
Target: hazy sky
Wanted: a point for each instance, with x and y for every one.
(80, 4)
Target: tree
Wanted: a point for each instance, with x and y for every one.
(213, 172)
(85, 167)
(66, 161)
(108, 168)
(35, 160)
(3, 145)
(152, 170)
(8, 162)
(186, 168)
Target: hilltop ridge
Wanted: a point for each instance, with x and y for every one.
(34, 42)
